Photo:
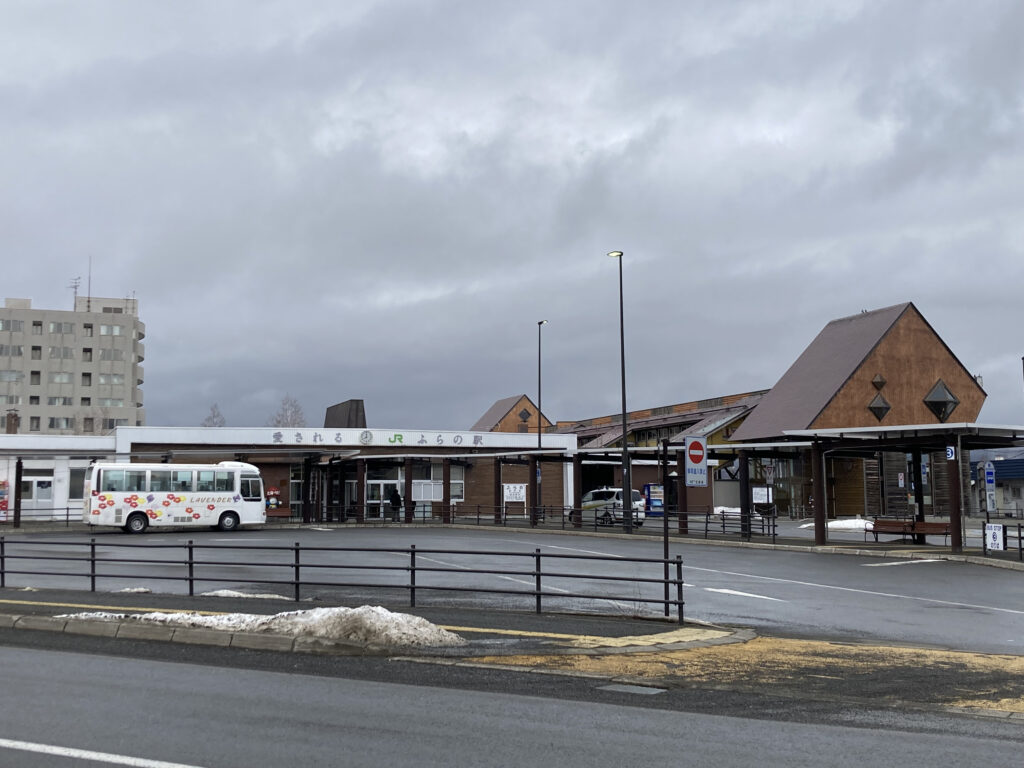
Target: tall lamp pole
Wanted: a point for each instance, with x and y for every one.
(627, 485)
(539, 425)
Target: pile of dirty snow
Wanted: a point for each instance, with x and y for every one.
(367, 625)
(846, 524)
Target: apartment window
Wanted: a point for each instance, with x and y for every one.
(62, 353)
(11, 375)
(18, 326)
(62, 328)
(33, 423)
(37, 353)
(115, 379)
(37, 327)
(33, 399)
(60, 377)
(112, 354)
(110, 402)
(61, 422)
(86, 379)
(35, 377)
(86, 402)
(87, 329)
(111, 423)
(87, 425)
(10, 399)
(110, 330)
(60, 401)
(10, 350)
(86, 355)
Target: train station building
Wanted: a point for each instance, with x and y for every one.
(876, 417)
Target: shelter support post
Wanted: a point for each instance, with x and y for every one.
(956, 540)
(684, 507)
(361, 491)
(446, 493)
(918, 493)
(577, 490)
(19, 468)
(744, 458)
(531, 482)
(410, 503)
(818, 494)
(499, 498)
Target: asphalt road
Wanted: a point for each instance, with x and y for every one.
(932, 603)
(214, 708)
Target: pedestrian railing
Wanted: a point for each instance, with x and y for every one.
(541, 578)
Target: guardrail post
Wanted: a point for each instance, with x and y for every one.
(92, 564)
(296, 567)
(3, 564)
(1020, 544)
(679, 586)
(536, 558)
(412, 576)
(191, 570)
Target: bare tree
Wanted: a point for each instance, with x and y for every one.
(289, 415)
(214, 419)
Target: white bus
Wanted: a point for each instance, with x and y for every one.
(136, 496)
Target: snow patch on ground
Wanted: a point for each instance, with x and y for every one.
(366, 625)
(139, 590)
(848, 524)
(734, 512)
(233, 593)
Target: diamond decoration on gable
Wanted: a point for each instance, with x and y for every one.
(524, 415)
(879, 406)
(941, 401)
(878, 381)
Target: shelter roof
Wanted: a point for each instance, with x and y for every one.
(818, 374)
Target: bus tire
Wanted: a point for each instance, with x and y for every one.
(136, 523)
(228, 522)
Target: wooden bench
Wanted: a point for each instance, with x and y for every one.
(907, 528)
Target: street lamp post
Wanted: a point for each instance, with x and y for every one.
(627, 485)
(539, 425)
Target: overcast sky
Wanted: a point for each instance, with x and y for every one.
(379, 200)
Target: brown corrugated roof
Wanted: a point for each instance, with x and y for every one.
(818, 374)
(495, 413)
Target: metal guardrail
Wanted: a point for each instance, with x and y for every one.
(306, 567)
(694, 523)
(65, 515)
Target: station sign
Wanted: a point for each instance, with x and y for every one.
(696, 464)
(990, 486)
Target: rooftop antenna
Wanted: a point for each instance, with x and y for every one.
(88, 292)
(75, 282)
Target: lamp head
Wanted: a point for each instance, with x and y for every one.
(616, 254)
(542, 322)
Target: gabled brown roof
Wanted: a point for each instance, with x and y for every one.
(818, 374)
(496, 413)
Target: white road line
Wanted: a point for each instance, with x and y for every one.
(872, 593)
(901, 562)
(85, 754)
(744, 594)
(567, 549)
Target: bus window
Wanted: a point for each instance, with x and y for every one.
(224, 481)
(135, 480)
(204, 480)
(252, 490)
(112, 480)
(182, 479)
(160, 480)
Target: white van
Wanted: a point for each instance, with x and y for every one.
(603, 506)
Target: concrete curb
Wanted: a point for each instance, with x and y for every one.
(135, 630)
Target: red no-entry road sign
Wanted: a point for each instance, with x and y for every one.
(695, 451)
(696, 462)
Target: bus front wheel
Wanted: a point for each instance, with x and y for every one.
(228, 521)
(137, 523)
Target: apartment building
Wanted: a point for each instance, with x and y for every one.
(75, 372)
